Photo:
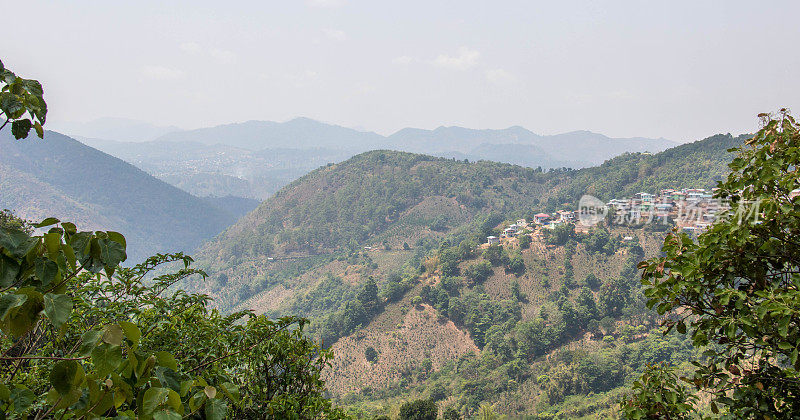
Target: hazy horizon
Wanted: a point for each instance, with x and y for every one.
(681, 71)
(78, 128)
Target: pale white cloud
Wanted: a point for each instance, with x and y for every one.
(465, 59)
(224, 56)
(500, 77)
(403, 60)
(328, 4)
(161, 73)
(191, 47)
(365, 88)
(335, 34)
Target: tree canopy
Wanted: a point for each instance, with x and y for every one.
(22, 104)
(736, 289)
(83, 335)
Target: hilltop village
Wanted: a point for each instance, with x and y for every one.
(691, 210)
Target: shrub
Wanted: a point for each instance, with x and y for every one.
(371, 354)
(418, 410)
(495, 255)
(478, 272)
(438, 392)
(516, 265)
(451, 414)
(524, 241)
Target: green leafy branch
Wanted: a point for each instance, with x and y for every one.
(19, 97)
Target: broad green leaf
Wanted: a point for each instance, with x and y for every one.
(69, 227)
(39, 129)
(174, 401)
(21, 128)
(166, 415)
(185, 387)
(47, 222)
(144, 369)
(168, 378)
(9, 269)
(121, 388)
(216, 409)
(106, 401)
(21, 319)
(69, 255)
(52, 242)
(10, 301)
(106, 359)
(80, 243)
(65, 376)
(231, 391)
(111, 252)
(113, 334)
(16, 242)
(118, 238)
(89, 340)
(153, 398)
(167, 360)
(22, 398)
(57, 308)
(46, 271)
(132, 332)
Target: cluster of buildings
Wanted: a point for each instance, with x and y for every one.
(692, 209)
(509, 232)
(545, 220)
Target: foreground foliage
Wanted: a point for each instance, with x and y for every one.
(18, 97)
(736, 290)
(84, 337)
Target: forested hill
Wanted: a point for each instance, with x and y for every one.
(346, 205)
(396, 200)
(59, 176)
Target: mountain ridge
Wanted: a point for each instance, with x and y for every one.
(205, 161)
(155, 216)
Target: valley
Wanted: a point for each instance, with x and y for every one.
(61, 177)
(350, 210)
(383, 252)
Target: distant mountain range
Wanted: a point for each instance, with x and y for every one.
(256, 158)
(61, 177)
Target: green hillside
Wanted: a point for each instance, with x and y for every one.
(379, 252)
(346, 205)
(557, 335)
(378, 199)
(75, 182)
(400, 200)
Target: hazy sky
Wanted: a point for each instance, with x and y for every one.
(681, 70)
